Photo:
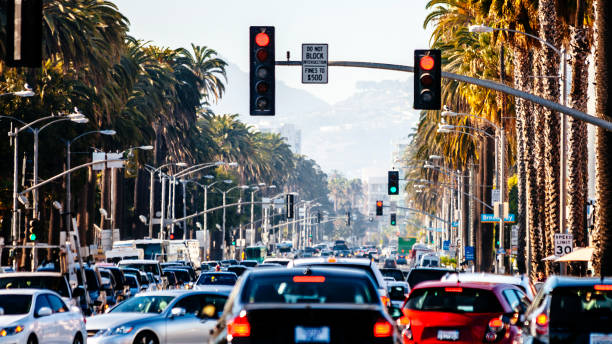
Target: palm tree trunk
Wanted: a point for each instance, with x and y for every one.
(602, 236)
(577, 137)
(522, 69)
(547, 16)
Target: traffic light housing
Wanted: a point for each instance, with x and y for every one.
(427, 79)
(393, 183)
(27, 51)
(318, 217)
(289, 206)
(379, 208)
(33, 230)
(262, 79)
(348, 218)
(393, 219)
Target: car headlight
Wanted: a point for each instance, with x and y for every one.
(9, 331)
(119, 330)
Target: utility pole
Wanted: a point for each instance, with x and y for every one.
(162, 225)
(183, 182)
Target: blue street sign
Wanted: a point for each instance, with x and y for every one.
(439, 230)
(490, 218)
(455, 224)
(446, 245)
(469, 253)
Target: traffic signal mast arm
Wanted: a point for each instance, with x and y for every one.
(493, 85)
(419, 211)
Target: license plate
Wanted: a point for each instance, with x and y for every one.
(311, 334)
(598, 338)
(448, 335)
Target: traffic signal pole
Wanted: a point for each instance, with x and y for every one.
(493, 85)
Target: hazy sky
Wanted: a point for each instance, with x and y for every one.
(376, 31)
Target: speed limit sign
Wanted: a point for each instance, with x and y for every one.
(564, 244)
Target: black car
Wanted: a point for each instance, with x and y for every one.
(570, 310)
(237, 269)
(305, 305)
(217, 278)
(395, 273)
(418, 275)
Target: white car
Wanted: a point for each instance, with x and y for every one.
(37, 316)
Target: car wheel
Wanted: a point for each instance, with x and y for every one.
(77, 339)
(146, 338)
(32, 339)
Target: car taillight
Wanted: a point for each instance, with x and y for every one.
(382, 328)
(404, 321)
(239, 327)
(385, 299)
(603, 287)
(496, 325)
(542, 324)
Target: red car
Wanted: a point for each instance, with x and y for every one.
(470, 312)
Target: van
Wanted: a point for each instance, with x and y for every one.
(429, 261)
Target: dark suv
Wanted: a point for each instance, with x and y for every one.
(570, 310)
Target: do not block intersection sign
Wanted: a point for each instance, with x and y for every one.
(314, 63)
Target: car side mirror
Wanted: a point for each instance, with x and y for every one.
(1, 311)
(178, 312)
(78, 291)
(44, 312)
(395, 312)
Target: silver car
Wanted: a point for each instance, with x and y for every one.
(171, 316)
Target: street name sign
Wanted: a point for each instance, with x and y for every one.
(564, 244)
(469, 253)
(314, 63)
(490, 218)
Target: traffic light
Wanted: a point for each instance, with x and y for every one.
(393, 219)
(348, 218)
(33, 230)
(262, 81)
(171, 236)
(318, 217)
(427, 78)
(289, 206)
(24, 41)
(379, 208)
(393, 183)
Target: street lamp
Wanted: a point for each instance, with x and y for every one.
(68, 213)
(152, 170)
(224, 193)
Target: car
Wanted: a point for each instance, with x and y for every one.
(398, 292)
(132, 282)
(570, 310)
(121, 289)
(217, 278)
(364, 264)
(39, 316)
(228, 262)
(281, 261)
(459, 312)
(430, 260)
(418, 275)
(144, 265)
(305, 305)
(520, 281)
(143, 281)
(249, 263)
(169, 316)
(396, 274)
(237, 269)
(389, 263)
(401, 260)
(183, 278)
(171, 278)
(268, 265)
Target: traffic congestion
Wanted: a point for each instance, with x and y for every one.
(331, 293)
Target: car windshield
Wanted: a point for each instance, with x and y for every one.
(309, 289)
(222, 279)
(417, 276)
(55, 283)
(397, 293)
(581, 308)
(144, 267)
(131, 281)
(454, 300)
(181, 275)
(144, 304)
(92, 280)
(15, 304)
(394, 273)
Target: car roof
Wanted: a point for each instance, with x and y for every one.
(24, 291)
(319, 260)
(349, 273)
(218, 273)
(35, 274)
(432, 268)
(567, 281)
(138, 261)
(394, 283)
(474, 285)
(484, 277)
(178, 292)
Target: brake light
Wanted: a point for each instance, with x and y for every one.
(308, 279)
(382, 328)
(404, 321)
(385, 300)
(496, 325)
(332, 260)
(239, 327)
(542, 320)
(603, 287)
(453, 290)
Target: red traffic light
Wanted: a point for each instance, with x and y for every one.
(171, 236)
(262, 39)
(379, 203)
(427, 62)
(262, 55)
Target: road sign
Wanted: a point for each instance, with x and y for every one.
(455, 224)
(564, 244)
(469, 253)
(314, 63)
(495, 196)
(490, 218)
(446, 245)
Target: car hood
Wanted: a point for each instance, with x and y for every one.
(7, 320)
(110, 320)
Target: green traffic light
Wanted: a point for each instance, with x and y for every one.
(32, 237)
(393, 189)
(233, 243)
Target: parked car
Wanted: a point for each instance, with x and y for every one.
(464, 312)
(170, 316)
(570, 310)
(305, 305)
(39, 316)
